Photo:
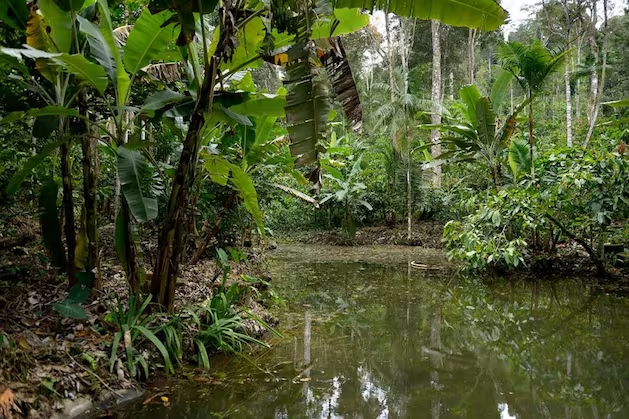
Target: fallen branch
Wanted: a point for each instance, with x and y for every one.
(95, 375)
(598, 262)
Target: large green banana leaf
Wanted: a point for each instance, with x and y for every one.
(132, 169)
(219, 170)
(49, 221)
(480, 14)
(105, 50)
(58, 25)
(470, 96)
(486, 121)
(519, 159)
(149, 37)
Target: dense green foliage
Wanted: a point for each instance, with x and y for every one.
(187, 126)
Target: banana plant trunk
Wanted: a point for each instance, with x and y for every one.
(171, 236)
(68, 209)
(90, 179)
(132, 268)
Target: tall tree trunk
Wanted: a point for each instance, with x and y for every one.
(593, 96)
(601, 86)
(436, 99)
(171, 238)
(471, 55)
(407, 42)
(568, 105)
(390, 56)
(68, 207)
(409, 192)
(577, 102)
(531, 141)
(90, 176)
(567, 78)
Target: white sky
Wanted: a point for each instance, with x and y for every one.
(516, 15)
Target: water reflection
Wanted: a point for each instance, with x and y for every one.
(374, 340)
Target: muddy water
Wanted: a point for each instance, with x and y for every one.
(368, 336)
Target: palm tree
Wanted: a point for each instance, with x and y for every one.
(399, 117)
(531, 65)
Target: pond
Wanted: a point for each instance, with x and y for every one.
(366, 335)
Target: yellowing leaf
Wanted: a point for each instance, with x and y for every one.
(164, 399)
(38, 38)
(280, 59)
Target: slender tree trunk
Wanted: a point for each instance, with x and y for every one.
(90, 176)
(409, 191)
(171, 238)
(568, 105)
(407, 42)
(577, 102)
(531, 141)
(68, 208)
(593, 97)
(436, 99)
(471, 55)
(601, 86)
(390, 56)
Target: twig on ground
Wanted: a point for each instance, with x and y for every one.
(95, 375)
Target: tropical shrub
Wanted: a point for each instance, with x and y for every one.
(492, 235)
(580, 195)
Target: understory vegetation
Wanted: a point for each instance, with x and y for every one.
(154, 150)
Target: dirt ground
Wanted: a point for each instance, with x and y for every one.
(424, 234)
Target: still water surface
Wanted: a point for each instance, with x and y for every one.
(368, 336)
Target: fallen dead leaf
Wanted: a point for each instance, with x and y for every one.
(7, 400)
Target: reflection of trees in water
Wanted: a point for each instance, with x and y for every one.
(558, 353)
(379, 342)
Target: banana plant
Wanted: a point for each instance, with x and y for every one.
(145, 42)
(52, 42)
(349, 192)
(476, 135)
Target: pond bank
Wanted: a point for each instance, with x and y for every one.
(426, 233)
(53, 366)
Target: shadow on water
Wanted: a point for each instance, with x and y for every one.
(369, 337)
